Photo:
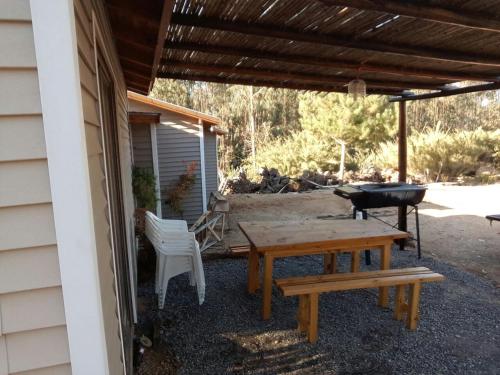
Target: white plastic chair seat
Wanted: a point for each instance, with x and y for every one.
(177, 252)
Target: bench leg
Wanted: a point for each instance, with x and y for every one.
(400, 302)
(330, 263)
(302, 313)
(414, 299)
(355, 261)
(312, 331)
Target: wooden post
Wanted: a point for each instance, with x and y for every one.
(402, 164)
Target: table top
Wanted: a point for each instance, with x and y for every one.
(289, 235)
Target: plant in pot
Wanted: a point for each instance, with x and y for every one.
(178, 191)
(144, 189)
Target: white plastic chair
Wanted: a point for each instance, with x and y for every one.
(177, 251)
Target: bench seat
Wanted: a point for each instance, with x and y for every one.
(308, 289)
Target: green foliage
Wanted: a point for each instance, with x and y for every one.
(362, 124)
(144, 188)
(298, 152)
(297, 131)
(434, 152)
(178, 191)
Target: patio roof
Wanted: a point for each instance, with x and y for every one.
(321, 45)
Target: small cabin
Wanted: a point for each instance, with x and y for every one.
(168, 138)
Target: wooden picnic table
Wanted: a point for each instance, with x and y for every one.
(278, 239)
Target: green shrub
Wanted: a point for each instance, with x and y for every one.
(436, 153)
(144, 188)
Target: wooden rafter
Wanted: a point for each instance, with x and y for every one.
(289, 76)
(166, 17)
(273, 31)
(424, 11)
(330, 62)
(449, 92)
(269, 83)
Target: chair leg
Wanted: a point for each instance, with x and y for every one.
(312, 329)
(192, 280)
(414, 299)
(162, 294)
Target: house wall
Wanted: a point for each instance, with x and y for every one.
(91, 23)
(178, 140)
(210, 140)
(33, 334)
(141, 145)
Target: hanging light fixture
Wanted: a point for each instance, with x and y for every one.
(357, 88)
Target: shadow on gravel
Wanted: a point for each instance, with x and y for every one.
(459, 331)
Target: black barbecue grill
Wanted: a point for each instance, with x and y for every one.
(368, 196)
(382, 195)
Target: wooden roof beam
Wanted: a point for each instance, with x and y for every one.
(166, 17)
(329, 62)
(448, 92)
(268, 83)
(291, 76)
(276, 31)
(428, 12)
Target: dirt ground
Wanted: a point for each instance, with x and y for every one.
(452, 221)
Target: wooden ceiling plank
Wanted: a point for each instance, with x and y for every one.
(330, 62)
(424, 11)
(284, 75)
(273, 31)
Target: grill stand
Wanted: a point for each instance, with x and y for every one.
(402, 242)
(364, 213)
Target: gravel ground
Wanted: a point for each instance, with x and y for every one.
(459, 331)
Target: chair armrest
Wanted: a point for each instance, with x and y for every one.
(178, 243)
(174, 224)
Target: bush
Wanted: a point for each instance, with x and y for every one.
(144, 188)
(297, 153)
(439, 154)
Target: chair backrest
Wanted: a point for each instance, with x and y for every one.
(153, 229)
(158, 229)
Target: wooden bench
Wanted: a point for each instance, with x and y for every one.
(308, 289)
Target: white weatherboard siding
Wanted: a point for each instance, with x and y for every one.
(30, 279)
(93, 32)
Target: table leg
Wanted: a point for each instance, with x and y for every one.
(385, 264)
(253, 271)
(268, 286)
(330, 263)
(355, 261)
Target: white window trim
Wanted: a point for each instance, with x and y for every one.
(202, 166)
(61, 99)
(156, 168)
